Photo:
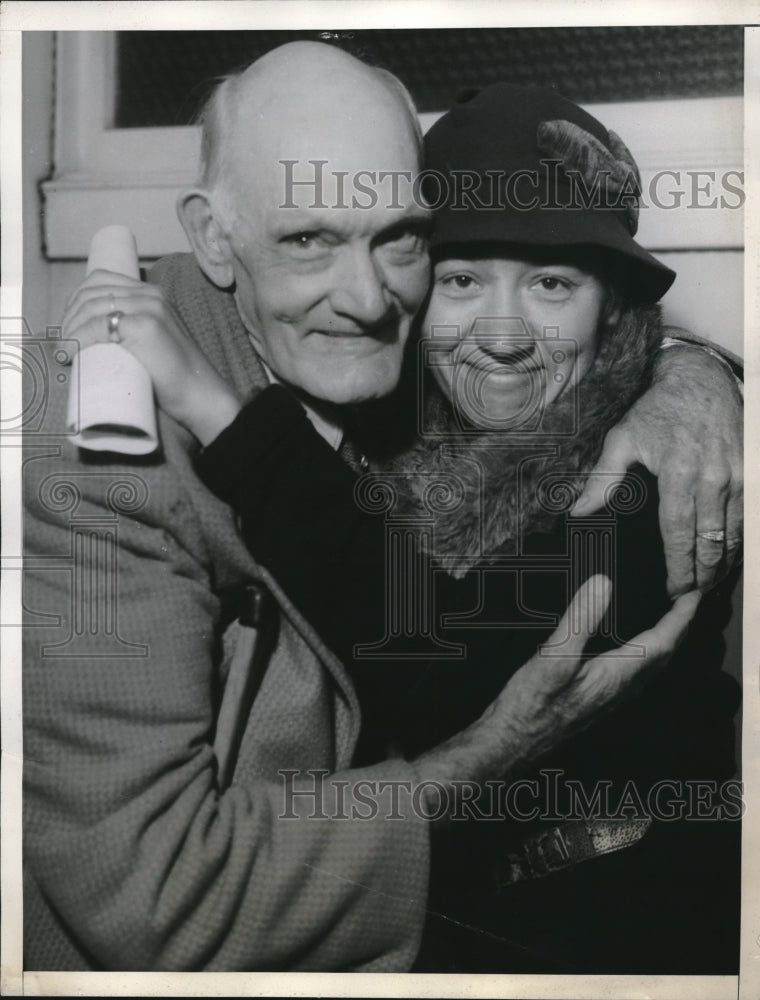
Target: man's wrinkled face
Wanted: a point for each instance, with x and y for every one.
(328, 288)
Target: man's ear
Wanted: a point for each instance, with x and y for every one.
(207, 237)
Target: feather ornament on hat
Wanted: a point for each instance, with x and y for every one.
(583, 153)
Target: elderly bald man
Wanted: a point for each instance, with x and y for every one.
(169, 827)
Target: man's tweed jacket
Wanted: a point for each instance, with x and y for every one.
(134, 857)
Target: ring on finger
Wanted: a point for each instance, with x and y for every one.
(113, 326)
(717, 535)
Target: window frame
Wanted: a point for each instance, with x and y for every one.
(99, 180)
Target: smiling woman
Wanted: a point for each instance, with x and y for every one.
(517, 367)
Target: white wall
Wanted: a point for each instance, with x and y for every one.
(708, 295)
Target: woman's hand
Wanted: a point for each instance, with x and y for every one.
(187, 387)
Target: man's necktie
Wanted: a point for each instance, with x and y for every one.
(352, 456)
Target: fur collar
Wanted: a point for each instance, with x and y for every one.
(508, 485)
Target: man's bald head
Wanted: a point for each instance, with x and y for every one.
(297, 83)
(303, 216)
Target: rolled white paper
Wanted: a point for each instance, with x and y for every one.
(111, 394)
(113, 248)
(111, 402)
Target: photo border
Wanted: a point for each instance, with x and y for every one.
(18, 17)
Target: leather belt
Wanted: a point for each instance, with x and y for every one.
(568, 844)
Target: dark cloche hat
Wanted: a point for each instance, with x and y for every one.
(524, 165)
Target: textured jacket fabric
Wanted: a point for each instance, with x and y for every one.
(134, 857)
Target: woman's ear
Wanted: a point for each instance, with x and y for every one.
(613, 307)
(613, 315)
(208, 239)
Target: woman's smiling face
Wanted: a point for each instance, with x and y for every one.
(506, 336)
